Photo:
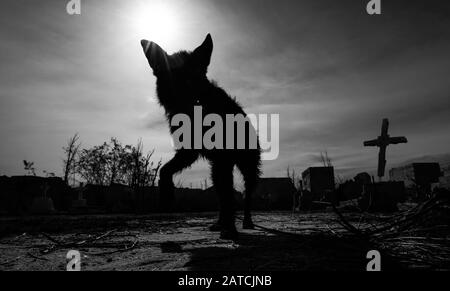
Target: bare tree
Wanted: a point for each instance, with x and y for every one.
(326, 161)
(155, 172)
(294, 177)
(179, 183)
(204, 184)
(71, 154)
(29, 167)
(142, 170)
(116, 163)
(93, 165)
(117, 157)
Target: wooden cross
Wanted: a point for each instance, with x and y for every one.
(382, 142)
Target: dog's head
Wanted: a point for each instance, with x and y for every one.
(181, 67)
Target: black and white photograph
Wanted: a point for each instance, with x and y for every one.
(221, 142)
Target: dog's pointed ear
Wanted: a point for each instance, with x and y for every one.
(156, 56)
(204, 51)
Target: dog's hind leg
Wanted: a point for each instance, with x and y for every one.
(222, 177)
(180, 161)
(249, 169)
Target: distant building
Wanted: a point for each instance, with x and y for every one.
(418, 178)
(29, 194)
(444, 181)
(274, 194)
(123, 199)
(32, 194)
(416, 174)
(319, 181)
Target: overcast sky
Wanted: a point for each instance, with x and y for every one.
(331, 71)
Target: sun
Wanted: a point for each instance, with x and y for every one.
(156, 21)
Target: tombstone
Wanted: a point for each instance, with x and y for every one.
(353, 189)
(362, 179)
(319, 182)
(43, 204)
(382, 196)
(79, 204)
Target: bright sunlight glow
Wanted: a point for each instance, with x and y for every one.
(156, 21)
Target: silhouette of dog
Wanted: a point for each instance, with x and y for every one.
(181, 84)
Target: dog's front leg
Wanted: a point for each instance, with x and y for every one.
(179, 162)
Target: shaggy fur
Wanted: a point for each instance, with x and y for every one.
(182, 84)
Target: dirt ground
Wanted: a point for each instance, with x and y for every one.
(284, 241)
